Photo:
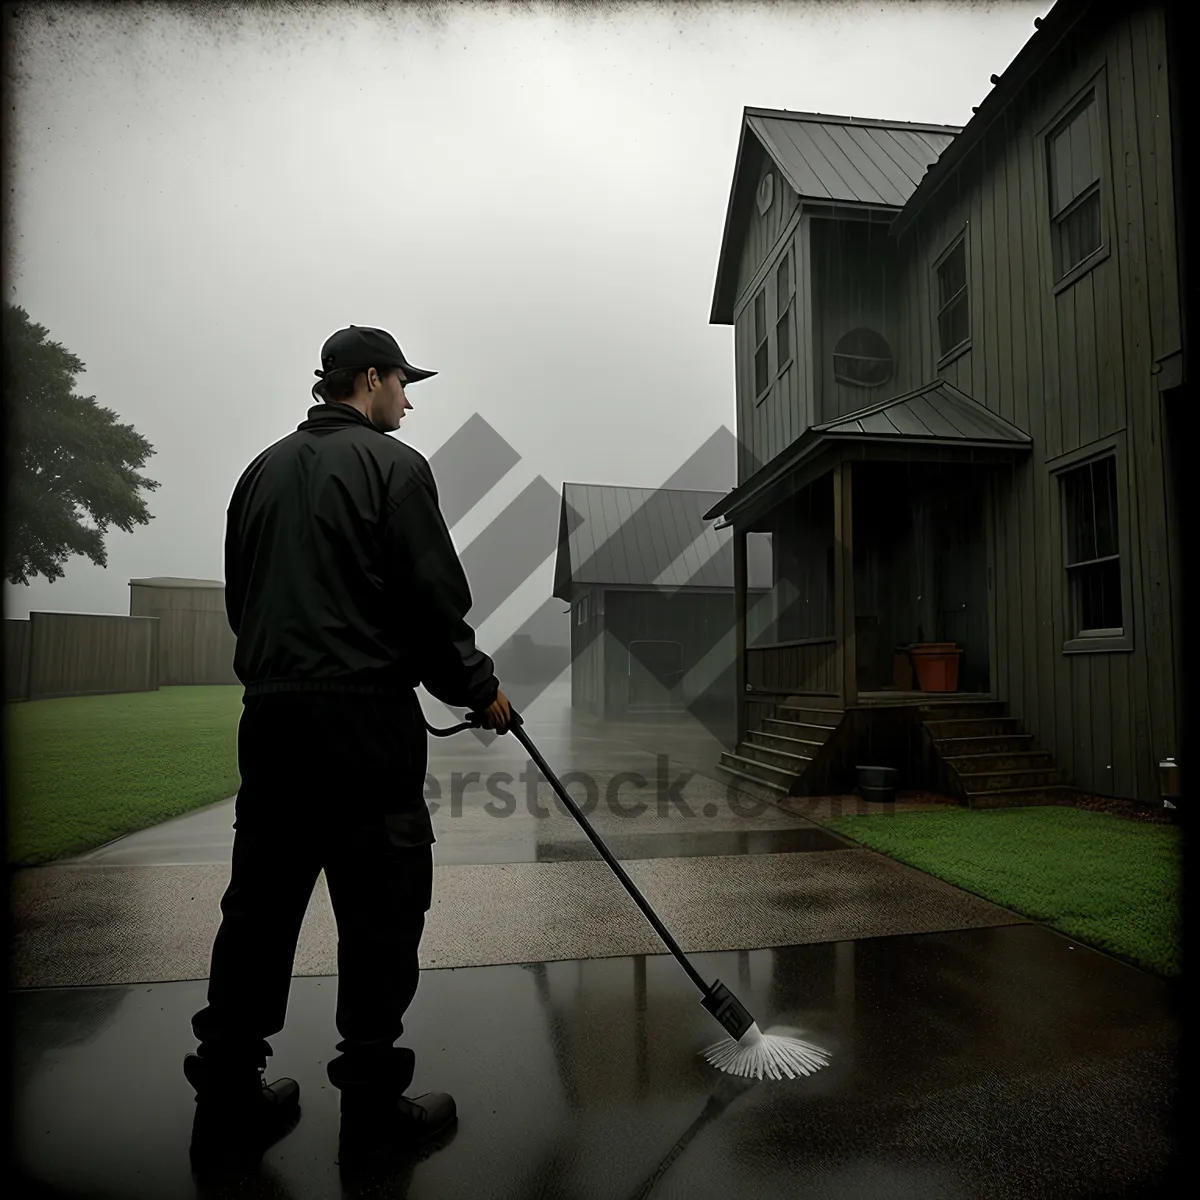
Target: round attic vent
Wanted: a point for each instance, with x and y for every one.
(766, 191)
(862, 358)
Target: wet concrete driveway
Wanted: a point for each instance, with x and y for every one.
(998, 1061)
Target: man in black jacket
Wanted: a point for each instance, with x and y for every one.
(345, 592)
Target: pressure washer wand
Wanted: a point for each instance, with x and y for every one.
(756, 1054)
(718, 999)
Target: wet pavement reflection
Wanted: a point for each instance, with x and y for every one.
(1005, 1062)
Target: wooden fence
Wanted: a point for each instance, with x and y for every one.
(195, 647)
(81, 654)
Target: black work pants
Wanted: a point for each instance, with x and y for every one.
(335, 783)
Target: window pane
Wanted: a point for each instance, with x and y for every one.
(1085, 163)
(760, 370)
(782, 286)
(952, 325)
(1060, 172)
(1074, 158)
(1080, 514)
(961, 321)
(1104, 495)
(1096, 597)
(783, 339)
(760, 316)
(952, 274)
(1077, 235)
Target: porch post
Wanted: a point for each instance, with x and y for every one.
(843, 583)
(739, 609)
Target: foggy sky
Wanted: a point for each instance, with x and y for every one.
(531, 201)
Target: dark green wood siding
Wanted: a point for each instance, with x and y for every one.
(1074, 367)
(853, 286)
(765, 228)
(772, 421)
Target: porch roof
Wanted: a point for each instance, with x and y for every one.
(934, 416)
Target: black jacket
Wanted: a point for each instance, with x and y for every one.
(340, 572)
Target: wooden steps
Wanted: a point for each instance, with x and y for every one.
(991, 761)
(778, 754)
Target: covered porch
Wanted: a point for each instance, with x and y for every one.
(881, 537)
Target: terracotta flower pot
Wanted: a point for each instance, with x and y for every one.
(936, 664)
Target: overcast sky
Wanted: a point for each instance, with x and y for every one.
(531, 201)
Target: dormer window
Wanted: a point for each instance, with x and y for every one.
(862, 358)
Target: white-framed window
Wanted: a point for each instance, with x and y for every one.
(582, 610)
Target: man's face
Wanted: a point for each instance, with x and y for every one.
(386, 399)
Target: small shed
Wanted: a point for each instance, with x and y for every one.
(650, 583)
(195, 642)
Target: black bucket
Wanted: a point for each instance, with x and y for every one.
(878, 784)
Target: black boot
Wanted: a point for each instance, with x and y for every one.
(238, 1114)
(379, 1123)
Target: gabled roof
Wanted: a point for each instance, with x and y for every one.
(647, 537)
(848, 161)
(935, 414)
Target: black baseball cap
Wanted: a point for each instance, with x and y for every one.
(359, 347)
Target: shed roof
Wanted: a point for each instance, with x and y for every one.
(935, 414)
(848, 161)
(647, 537)
(166, 581)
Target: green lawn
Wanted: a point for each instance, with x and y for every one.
(87, 769)
(1111, 883)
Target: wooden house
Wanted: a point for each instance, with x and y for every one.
(958, 357)
(650, 586)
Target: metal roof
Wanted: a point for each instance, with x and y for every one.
(847, 160)
(647, 537)
(936, 412)
(856, 161)
(165, 581)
